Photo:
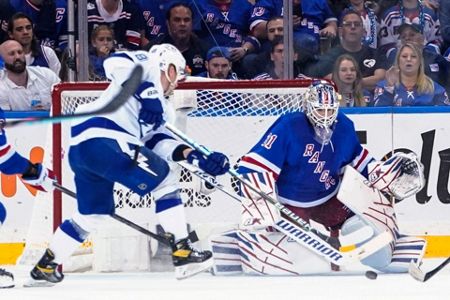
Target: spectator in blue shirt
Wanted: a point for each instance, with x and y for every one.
(102, 46)
(406, 84)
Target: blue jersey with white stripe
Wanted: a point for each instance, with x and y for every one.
(401, 96)
(307, 174)
(153, 13)
(315, 14)
(227, 27)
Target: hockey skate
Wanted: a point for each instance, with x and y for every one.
(6, 279)
(45, 272)
(189, 261)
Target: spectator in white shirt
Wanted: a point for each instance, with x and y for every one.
(24, 87)
(20, 28)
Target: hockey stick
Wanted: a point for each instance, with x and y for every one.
(161, 238)
(419, 275)
(347, 241)
(128, 88)
(297, 228)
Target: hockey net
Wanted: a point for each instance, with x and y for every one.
(225, 116)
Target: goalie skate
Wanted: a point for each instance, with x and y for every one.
(6, 279)
(189, 261)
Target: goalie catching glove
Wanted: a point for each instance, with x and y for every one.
(214, 164)
(400, 176)
(39, 177)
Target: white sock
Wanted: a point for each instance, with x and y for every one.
(173, 220)
(63, 246)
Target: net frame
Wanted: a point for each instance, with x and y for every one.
(87, 89)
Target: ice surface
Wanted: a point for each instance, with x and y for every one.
(163, 286)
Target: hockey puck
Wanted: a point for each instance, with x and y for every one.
(371, 275)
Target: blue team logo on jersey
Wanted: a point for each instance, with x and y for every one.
(258, 11)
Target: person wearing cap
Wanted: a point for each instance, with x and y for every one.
(435, 65)
(218, 64)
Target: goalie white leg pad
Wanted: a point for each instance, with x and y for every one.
(407, 249)
(355, 231)
(373, 208)
(226, 254)
(367, 203)
(273, 253)
(264, 253)
(260, 256)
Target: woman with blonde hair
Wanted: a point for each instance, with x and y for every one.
(348, 79)
(406, 84)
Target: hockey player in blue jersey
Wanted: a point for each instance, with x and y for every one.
(36, 175)
(300, 160)
(109, 148)
(307, 163)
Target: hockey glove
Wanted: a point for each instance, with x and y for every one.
(215, 164)
(40, 178)
(400, 176)
(151, 111)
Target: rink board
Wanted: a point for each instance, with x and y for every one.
(422, 130)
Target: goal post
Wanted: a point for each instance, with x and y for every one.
(225, 116)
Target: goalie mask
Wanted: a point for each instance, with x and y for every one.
(166, 55)
(321, 107)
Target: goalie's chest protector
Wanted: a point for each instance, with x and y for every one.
(308, 173)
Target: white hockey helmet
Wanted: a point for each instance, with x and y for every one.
(166, 55)
(321, 104)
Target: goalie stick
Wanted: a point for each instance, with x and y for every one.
(297, 228)
(347, 241)
(128, 88)
(419, 275)
(164, 239)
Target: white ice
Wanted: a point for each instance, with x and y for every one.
(163, 286)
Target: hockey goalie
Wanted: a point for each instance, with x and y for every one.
(312, 164)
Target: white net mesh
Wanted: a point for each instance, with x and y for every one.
(225, 116)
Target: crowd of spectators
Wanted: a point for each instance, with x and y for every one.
(368, 48)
